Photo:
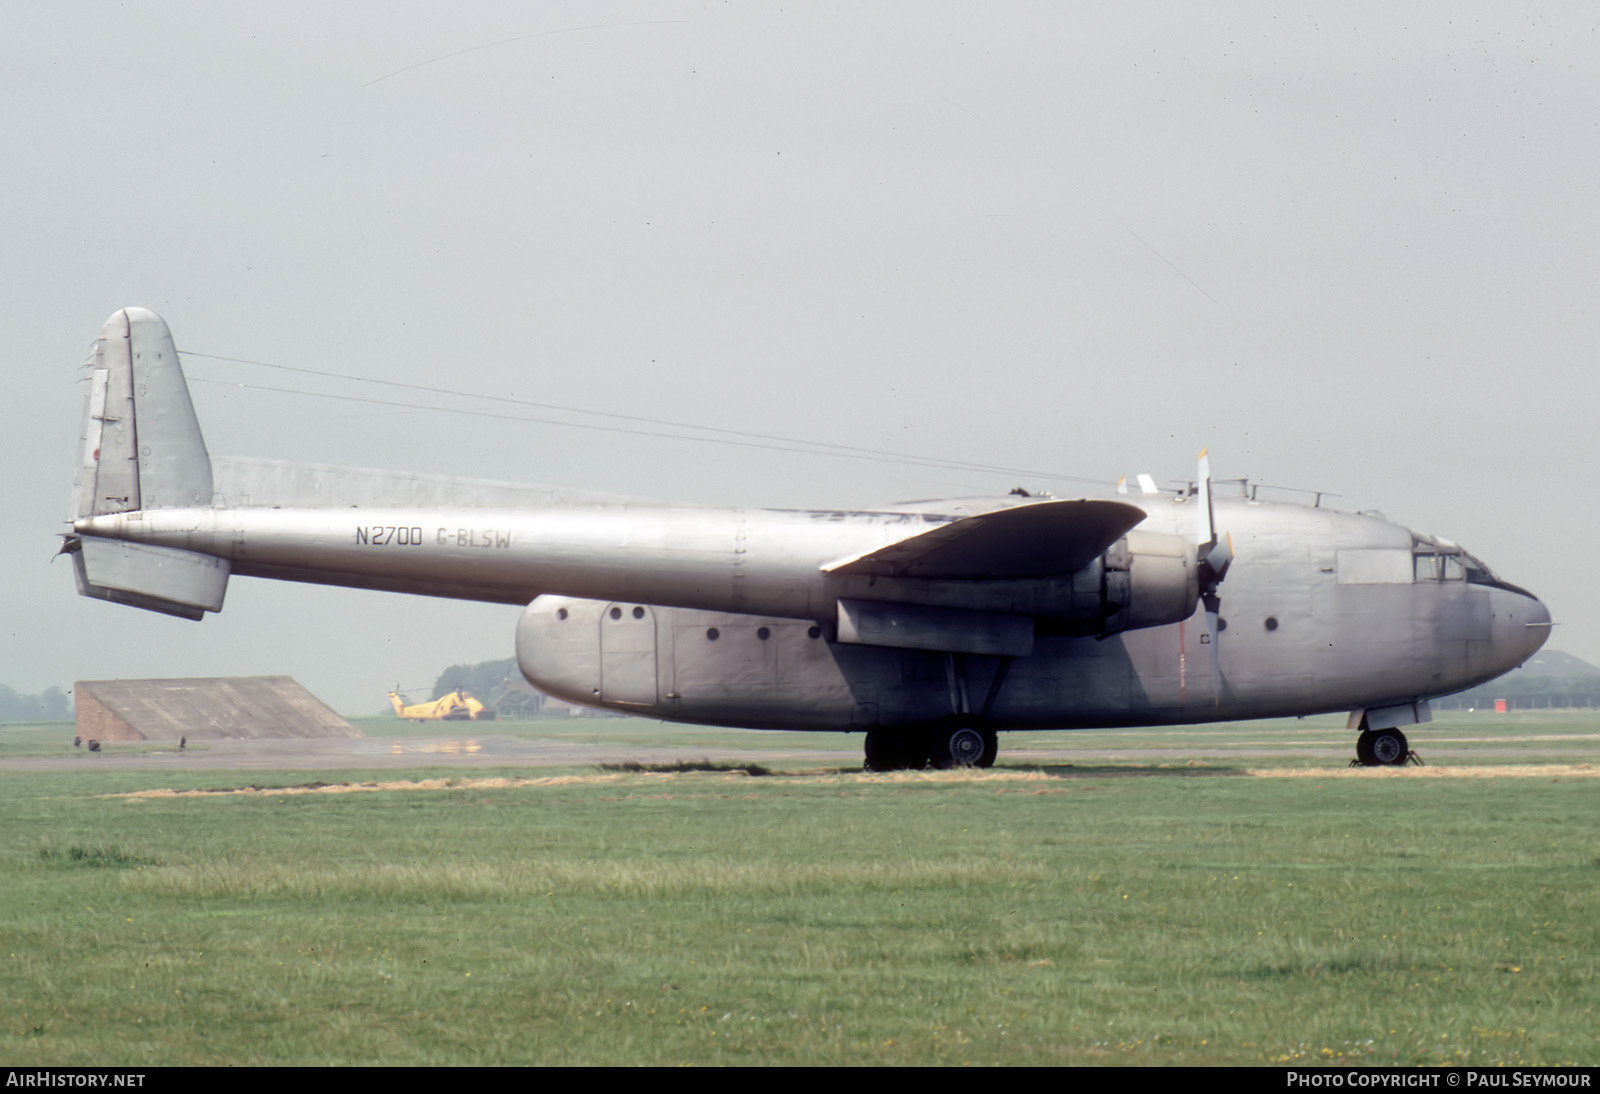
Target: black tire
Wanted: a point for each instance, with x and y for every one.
(910, 750)
(1364, 755)
(1382, 748)
(1389, 748)
(991, 748)
(877, 753)
(962, 742)
(890, 750)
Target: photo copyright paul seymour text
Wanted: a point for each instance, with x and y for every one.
(1463, 1078)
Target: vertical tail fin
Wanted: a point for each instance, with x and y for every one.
(142, 449)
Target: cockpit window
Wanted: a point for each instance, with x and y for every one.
(1478, 573)
(1436, 559)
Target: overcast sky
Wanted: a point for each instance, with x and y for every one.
(1348, 248)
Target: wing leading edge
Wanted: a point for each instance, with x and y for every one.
(1044, 539)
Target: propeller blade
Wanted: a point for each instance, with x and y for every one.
(1206, 532)
(1213, 605)
(1219, 557)
(1214, 554)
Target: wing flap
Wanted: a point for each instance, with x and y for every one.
(924, 627)
(1045, 539)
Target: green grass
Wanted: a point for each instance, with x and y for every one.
(35, 738)
(1102, 912)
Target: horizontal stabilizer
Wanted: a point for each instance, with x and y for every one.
(158, 579)
(1045, 539)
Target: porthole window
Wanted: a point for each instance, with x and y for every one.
(561, 613)
(1272, 623)
(616, 613)
(763, 633)
(638, 613)
(814, 632)
(712, 634)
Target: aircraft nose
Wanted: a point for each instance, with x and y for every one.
(1536, 625)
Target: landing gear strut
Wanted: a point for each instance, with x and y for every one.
(960, 739)
(1382, 748)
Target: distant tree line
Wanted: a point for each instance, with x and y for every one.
(52, 706)
(483, 679)
(496, 683)
(500, 685)
(1529, 693)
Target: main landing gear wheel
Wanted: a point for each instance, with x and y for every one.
(962, 743)
(1382, 748)
(879, 756)
(891, 751)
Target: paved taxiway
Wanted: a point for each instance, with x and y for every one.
(503, 751)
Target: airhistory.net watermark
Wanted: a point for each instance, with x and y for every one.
(46, 1078)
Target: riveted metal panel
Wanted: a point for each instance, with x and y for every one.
(628, 654)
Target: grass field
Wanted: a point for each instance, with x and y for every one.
(1110, 910)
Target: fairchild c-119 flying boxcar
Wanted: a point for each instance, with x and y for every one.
(929, 625)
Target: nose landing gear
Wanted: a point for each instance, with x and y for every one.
(1383, 748)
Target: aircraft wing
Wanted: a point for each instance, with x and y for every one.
(1043, 539)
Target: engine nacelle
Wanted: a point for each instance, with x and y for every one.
(1150, 579)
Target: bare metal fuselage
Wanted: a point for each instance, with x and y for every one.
(817, 619)
(1300, 635)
